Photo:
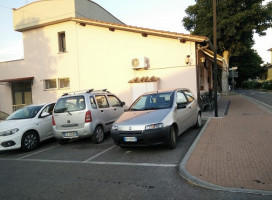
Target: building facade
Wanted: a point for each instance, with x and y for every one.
(82, 46)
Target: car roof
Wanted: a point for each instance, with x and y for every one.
(166, 90)
(85, 92)
(41, 104)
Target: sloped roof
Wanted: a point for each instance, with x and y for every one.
(210, 54)
(147, 31)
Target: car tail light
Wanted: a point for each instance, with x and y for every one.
(53, 121)
(88, 116)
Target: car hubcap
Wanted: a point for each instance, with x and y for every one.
(173, 136)
(99, 135)
(30, 141)
(199, 120)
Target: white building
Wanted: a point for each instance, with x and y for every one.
(72, 45)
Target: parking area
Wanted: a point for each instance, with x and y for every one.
(107, 153)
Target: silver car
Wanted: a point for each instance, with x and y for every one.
(85, 114)
(156, 118)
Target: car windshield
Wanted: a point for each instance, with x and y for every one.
(153, 102)
(70, 104)
(25, 113)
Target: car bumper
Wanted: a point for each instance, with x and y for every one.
(10, 142)
(82, 132)
(144, 138)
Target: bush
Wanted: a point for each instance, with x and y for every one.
(257, 84)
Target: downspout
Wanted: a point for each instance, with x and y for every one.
(198, 69)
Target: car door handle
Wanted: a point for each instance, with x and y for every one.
(115, 109)
(102, 110)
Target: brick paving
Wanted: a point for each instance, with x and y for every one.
(236, 151)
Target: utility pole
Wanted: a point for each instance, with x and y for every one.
(215, 60)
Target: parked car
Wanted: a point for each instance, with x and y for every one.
(157, 117)
(87, 114)
(27, 127)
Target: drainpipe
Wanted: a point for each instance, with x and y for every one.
(198, 69)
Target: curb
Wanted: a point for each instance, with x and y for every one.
(199, 182)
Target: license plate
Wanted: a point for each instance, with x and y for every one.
(70, 134)
(130, 139)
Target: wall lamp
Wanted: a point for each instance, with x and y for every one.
(187, 59)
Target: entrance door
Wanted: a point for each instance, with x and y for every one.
(21, 94)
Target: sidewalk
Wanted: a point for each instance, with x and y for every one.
(233, 152)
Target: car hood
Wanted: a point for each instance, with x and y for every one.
(142, 117)
(10, 124)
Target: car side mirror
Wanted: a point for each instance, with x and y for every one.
(181, 105)
(45, 114)
(123, 103)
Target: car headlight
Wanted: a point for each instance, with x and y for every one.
(114, 128)
(9, 132)
(153, 126)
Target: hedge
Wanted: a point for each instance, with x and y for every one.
(257, 84)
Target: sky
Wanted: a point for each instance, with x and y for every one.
(154, 14)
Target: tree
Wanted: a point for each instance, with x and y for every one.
(248, 59)
(236, 23)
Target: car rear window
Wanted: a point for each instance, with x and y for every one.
(70, 104)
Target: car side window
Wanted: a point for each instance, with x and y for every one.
(48, 109)
(93, 104)
(181, 98)
(101, 101)
(189, 96)
(114, 101)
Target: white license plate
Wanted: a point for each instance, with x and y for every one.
(70, 134)
(130, 139)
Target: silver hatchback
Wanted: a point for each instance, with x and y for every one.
(85, 114)
(157, 117)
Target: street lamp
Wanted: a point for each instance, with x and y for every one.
(215, 60)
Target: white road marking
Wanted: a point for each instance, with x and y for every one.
(37, 152)
(99, 154)
(95, 162)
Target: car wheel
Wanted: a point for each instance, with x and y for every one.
(98, 135)
(172, 142)
(198, 121)
(30, 141)
(63, 141)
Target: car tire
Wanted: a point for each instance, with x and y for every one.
(63, 141)
(98, 135)
(172, 142)
(198, 121)
(30, 141)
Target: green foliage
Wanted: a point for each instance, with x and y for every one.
(257, 84)
(236, 22)
(248, 63)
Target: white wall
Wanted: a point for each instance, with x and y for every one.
(98, 58)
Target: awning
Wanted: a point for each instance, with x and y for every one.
(210, 54)
(24, 79)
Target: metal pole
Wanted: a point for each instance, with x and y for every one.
(232, 80)
(215, 60)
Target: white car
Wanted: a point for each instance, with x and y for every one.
(27, 127)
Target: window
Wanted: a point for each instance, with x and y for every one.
(48, 109)
(102, 101)
(114, 101)
(189, 96)
(70, 104)
(93, 104)
(62, 42)
(64, 83)
(181, 98)
(50, 84)
(56, 83)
